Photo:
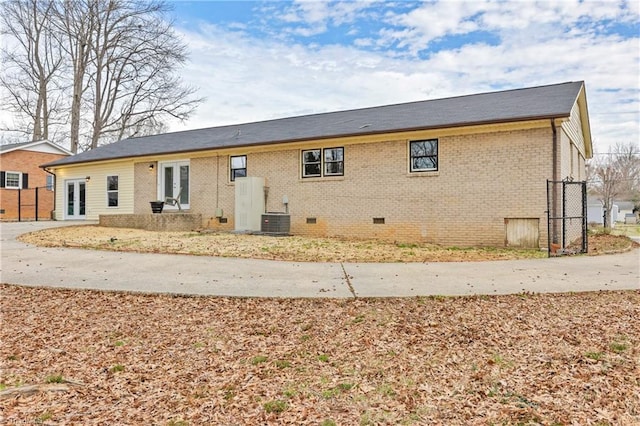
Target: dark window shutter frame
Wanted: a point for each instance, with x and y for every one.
(2, 174)
(25, 180)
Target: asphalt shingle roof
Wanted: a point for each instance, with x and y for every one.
(13, 146)
(505, 106)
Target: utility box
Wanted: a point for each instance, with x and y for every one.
(249, 203)
(276, 223)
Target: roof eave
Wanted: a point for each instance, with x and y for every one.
(34, 143)
(344, 135)
(584, 120)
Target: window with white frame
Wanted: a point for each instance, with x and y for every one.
(112, 191)
(311, 163)
(13, 180)
(50, 183)
(423, 155)
(238, 166)
(323, 162)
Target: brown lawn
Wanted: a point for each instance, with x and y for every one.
(299, 249)
(115, 358)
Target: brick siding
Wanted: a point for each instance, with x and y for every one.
(482, 179)
(25, 161)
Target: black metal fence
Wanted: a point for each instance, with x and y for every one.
(567, 217)
(27, 204)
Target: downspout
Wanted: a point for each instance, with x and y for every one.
(554, 177)
(555, 150)
(55, 183)
(217, 181)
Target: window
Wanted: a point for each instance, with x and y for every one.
(14, 180)
(334, 161)
(112, 191)
(50, 183)
(238, 166)
(311, 161)
(424, 155)
(326, 162)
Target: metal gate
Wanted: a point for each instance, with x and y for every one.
(566, 217)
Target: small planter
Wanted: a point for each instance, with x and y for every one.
(156, 206)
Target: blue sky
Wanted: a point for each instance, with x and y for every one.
(263, 60)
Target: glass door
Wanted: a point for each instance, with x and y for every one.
(75, 199)
(174, 183)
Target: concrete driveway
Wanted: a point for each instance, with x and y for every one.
(198, 275)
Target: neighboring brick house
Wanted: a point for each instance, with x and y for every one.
(452, 171)
(21, 179)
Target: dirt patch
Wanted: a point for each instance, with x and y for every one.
(116, 358)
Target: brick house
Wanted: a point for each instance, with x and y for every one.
(453, 171)
(21, 179)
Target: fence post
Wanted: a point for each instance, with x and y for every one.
(548, 221)
(564, 214)
(585, 222)
(19, 205)
(36, 204)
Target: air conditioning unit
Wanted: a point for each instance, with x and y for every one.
(276, 223)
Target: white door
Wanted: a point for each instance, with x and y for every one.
(75, 199)
(174, 183)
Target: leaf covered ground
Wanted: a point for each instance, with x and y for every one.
(131, 359)
(292, 248)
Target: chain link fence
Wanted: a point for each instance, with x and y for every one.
(567, 217)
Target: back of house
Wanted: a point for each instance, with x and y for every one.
(463, 171)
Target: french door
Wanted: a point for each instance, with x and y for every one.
(174, 183)
(75, 195)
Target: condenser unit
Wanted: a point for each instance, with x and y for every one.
(276, 223)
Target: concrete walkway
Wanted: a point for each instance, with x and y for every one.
(198, 275)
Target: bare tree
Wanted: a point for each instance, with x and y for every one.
(615, 175)
(76, 19)
(120, 59)
(133, 83)
(32, 66)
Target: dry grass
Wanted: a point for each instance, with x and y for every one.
(131, 359)
(292, 248)
(299, 249)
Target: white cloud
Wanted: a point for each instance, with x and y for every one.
(249, 78)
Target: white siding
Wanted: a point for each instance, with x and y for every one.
(96, 195)
(573, 128)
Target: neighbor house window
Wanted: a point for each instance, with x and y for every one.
(112, 191)
(50, 182)
(238, 166)
(325, 162)
(13, 180)
(424, 155)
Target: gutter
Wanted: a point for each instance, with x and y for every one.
(554, 154)
(55, 183)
